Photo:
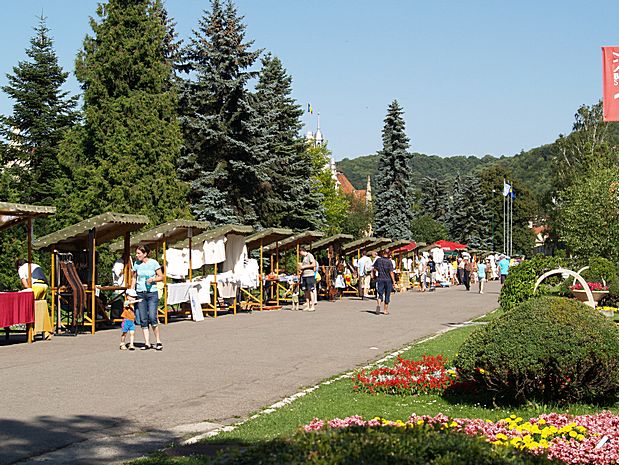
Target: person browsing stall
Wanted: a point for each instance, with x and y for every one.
(146, 273)
(307, 268)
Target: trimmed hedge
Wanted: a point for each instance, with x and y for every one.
(549, 349)
(380, 446)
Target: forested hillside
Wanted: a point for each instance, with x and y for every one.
(531, 168)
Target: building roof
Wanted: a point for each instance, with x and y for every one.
(108, 226)
(347, 188)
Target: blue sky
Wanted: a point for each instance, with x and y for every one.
(474, 78)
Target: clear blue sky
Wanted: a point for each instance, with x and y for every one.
(474, 78)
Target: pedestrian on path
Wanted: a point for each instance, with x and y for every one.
(481, 274)
(385, 281)
(147, 272)
(307, 268)
(128, 324)
(364, 269)
(467, 268)
(503, 267)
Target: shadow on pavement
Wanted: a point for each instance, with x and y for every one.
(21, 440)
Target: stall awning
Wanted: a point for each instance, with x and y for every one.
(267, 237)
(172, 231)
(219, 231)
(306, 237)
(12, 214)
(448, 246)
(357, 245)
(108, 227)
(378, 244)
(331, 240)
(408, 247)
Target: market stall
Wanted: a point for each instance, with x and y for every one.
(160, 238)
(268, 239)
(224, 249)
(19, 307)
(74, 264)
(328, 268)
(295, 242)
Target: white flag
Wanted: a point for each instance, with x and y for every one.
(506, 188)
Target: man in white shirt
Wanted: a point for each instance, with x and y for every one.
(364, 266)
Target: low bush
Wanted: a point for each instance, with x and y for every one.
(380, 446)
(550, 349)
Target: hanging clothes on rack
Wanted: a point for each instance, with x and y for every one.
(214, 251)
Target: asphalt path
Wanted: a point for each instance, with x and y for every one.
(82, 400)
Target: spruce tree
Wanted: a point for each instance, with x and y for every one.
(290, 199)
(131, 137)
(42, 112)
(394, 194)
(225, 149)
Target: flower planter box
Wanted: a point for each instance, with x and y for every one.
(582, 295)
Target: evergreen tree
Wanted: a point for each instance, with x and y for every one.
(393, 200)
(225, 149)
(289, 199)
(131, 138)
(434, 198)
(42, 112)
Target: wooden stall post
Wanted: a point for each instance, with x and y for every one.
(93, 286)
(215, 291)
(190, 236)
(260, 274)
(165, 283)
(30, 326)
(51, 283)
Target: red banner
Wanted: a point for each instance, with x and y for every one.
(610, 76)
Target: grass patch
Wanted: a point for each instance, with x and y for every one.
(339, 400)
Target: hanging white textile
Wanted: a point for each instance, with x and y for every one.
(177, 263)
(227, 285)
(249, 275)
(214, 251)
(197, 258)
(236, 252)
(179, 292)
(203, 288)
(437, 254)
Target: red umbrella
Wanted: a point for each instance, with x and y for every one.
(447, 245)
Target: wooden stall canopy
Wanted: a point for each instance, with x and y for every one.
(394, 245)
(358, 244)
(172, 231)
(267, 237)
(303, 238)
(379, 243)
(219, 231)
(12, 214)
(331, 240)
(109, 226)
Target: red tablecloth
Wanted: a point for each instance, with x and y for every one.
(16, 308)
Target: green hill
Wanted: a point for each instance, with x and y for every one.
(531, 168)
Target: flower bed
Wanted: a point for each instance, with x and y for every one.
(428, 375)
(584, 439)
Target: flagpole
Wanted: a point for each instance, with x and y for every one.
(511, 224)
(504, 219)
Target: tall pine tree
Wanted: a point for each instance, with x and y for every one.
(225, 149)
(131, 138)
(290, 199)
(42, 112)
(394, 194)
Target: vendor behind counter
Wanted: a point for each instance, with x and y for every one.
(39, 281)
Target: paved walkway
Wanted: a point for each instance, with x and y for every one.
(81, 400)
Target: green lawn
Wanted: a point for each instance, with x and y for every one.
(338, 400)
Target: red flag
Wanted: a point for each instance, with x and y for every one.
(610, 76)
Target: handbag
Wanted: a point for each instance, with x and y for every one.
(318, 277)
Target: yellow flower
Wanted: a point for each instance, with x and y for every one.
(420, 422)
(573, 434)
(580, 437)
(501, 436)
(453, 424)
(543, 443)
(541, 421)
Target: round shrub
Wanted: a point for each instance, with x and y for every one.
(549, 349)
(380, 446)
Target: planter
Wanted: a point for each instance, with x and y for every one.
(582, 295)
